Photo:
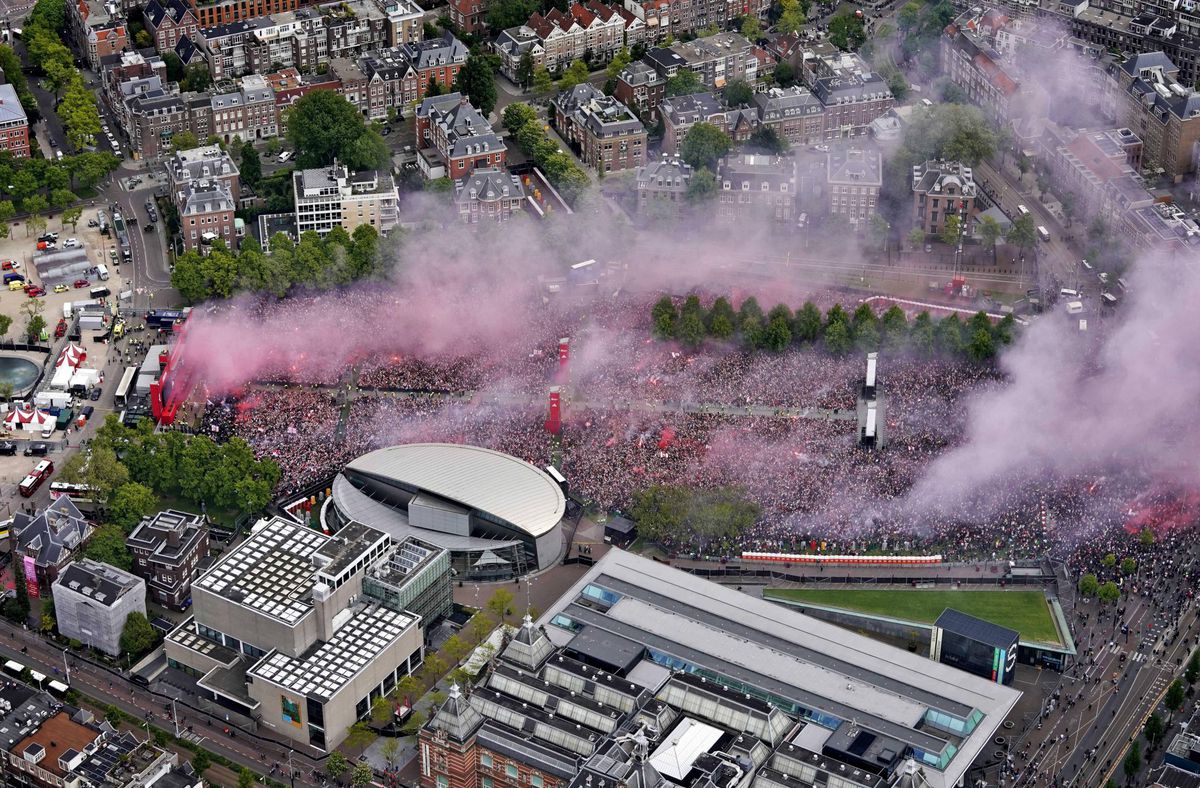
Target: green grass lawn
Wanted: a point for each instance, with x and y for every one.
(1024, 611)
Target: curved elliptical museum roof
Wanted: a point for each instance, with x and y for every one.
(477, 478)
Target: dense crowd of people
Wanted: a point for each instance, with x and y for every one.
(639, 411)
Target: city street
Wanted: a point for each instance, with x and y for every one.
(1055, 257)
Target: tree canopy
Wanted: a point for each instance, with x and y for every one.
(703, 145)
(314, 263)
(476, 81)
(193, 468)
(846, 31)
(839, 332)
(691, 517)
(323, 126)
(137, 636)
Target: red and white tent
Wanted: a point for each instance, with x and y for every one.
(28, 418)
(72, 356)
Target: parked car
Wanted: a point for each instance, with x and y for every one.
(61, 288)
(45, 246)
(60, 330)
(95, 395)
(8, 448)
(86, 411)
(81, 283)
(37, 450)
(35, 292)
(71, 243)
(10, 265)
(48, 237)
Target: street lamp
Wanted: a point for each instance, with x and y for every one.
(175, 717)
(66, 665)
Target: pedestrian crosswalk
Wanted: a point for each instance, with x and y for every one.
(1132, 656)
(190, 736)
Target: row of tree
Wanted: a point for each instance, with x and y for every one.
(44, 34)
(38, 185)
(314, 263)
(526, 128)
(837, 331)
(128, 467)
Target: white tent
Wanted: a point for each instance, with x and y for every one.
(62, 378)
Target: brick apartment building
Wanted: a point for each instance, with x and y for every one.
(168, 21)
(607, 135)
(206, 214)
(168, 549)
(641, 88)
(99, 28)
(458, 135)
(14, 124)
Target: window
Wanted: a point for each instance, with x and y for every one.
(535, 780)
(510, 769)
(485, 760)
(485, 782)
(443, 781)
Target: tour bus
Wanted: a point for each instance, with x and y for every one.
(121, 398)
(40, 473)
(70, 490)
(13, 668)
(57, 688)
(1043, 233)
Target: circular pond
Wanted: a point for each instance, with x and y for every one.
(20, 373)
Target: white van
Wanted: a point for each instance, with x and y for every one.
(1074, 307)
(1022, 210)
(1043, 233)
(283, 157)
(102, 271)
(1067, 292)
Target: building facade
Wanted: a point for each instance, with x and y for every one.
(489, 194)
(206, 214)
(941, 189)
(333, 196)
(168, 551)
(854, 176)
(662, 186)
(641, 88)
(92, 601)
(282, 630)
(458, 135)
(756, 187)
(606, 134)
(168, 21)
(1164, 113)
(14, 124)
(44, 543)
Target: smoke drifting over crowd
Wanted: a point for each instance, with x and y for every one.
(472, 320)
(1119, 398)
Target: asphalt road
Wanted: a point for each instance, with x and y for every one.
(1055, 257)
(254, 753)
(1102, 703)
